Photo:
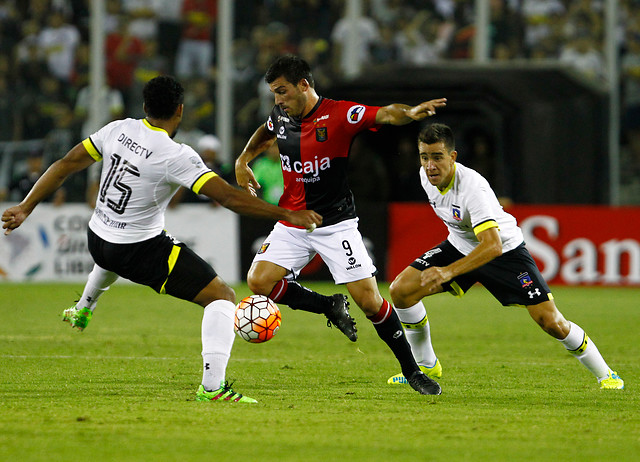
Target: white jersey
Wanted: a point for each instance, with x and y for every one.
(142, 169)
(468, 206)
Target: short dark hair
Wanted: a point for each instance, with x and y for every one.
(435, 133)
(162, 95)
(292, 67)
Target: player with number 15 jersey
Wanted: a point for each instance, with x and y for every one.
(143, 169)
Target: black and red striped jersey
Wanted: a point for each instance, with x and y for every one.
(314, 152)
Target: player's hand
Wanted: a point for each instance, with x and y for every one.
(432, 278)
(306, 218)
(246, 179)
(426, 109)
(12, 218)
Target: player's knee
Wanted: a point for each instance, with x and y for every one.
(260, 283)
(398, 291)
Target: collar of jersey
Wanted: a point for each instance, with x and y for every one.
(453, 178)
(158, 129)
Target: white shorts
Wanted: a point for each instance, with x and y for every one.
(340, 246)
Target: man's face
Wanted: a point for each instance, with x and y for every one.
(438, 163)
(291, 98)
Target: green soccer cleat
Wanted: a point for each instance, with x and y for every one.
(434, 372)
(224, 393)
(77, 318)
(612, 382)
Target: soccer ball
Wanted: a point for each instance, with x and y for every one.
(257, 318)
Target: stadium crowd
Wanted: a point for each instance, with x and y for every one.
(45, 57)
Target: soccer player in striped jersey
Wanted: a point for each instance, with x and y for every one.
(314, 136)
(142, 169)
(484, 245)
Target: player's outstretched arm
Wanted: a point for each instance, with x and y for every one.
(259, 142)
(240, 202)
(402, 114)
(76, 159)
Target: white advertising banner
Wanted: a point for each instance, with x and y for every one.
(52, 244)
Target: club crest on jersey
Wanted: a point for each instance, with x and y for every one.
(457, 214)
(270, 124)
(355, 114)
(525, 279)
(321, 134)
(264, 247)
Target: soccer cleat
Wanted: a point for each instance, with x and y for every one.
(77, 318)
(224, 393)
(338, 315)
(612, 382)
(434, 372)
(423, 384)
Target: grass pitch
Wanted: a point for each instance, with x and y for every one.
(124, 389)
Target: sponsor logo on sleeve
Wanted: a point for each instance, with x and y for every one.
(355, 114)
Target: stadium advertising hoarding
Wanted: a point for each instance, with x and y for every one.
(52, 244)
(573, 245)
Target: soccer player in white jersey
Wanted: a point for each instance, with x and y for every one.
(142, 169)
(484, 245)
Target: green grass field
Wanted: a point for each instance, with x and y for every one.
(124, 389)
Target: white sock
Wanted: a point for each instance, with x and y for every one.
(217, 340)
(578, 343)
(98, 282)
(416, 325)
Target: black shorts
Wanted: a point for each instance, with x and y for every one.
(513, 278)
(165, 265)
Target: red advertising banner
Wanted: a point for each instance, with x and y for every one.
(573, 245)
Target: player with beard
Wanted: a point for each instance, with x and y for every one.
(314, 135)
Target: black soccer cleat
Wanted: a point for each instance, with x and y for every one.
(338, 315)
(423, 384)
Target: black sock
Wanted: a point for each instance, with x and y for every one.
(299, 298)
(389, 329)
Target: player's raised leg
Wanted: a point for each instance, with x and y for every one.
(576, 341)
(387, 324)
(98, 282)
(406, 294)
(267, 278)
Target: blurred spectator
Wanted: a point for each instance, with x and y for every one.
(8, 112)
(583, 55)
(506, 32)
(539, 16)
(143, 23)
(385, 50)
(23, 181)
(267, 169)
(630, 162)
(364, 30)
(109, 100)
(151, 64)
(209, 148)
(169, 29)
(424, 38)
(198, 102)
(195, 52)
(38, 109)
(189, 133)
(9, 28)
(30, 59)
(123, 53)
(59, 41)
(112, 16)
